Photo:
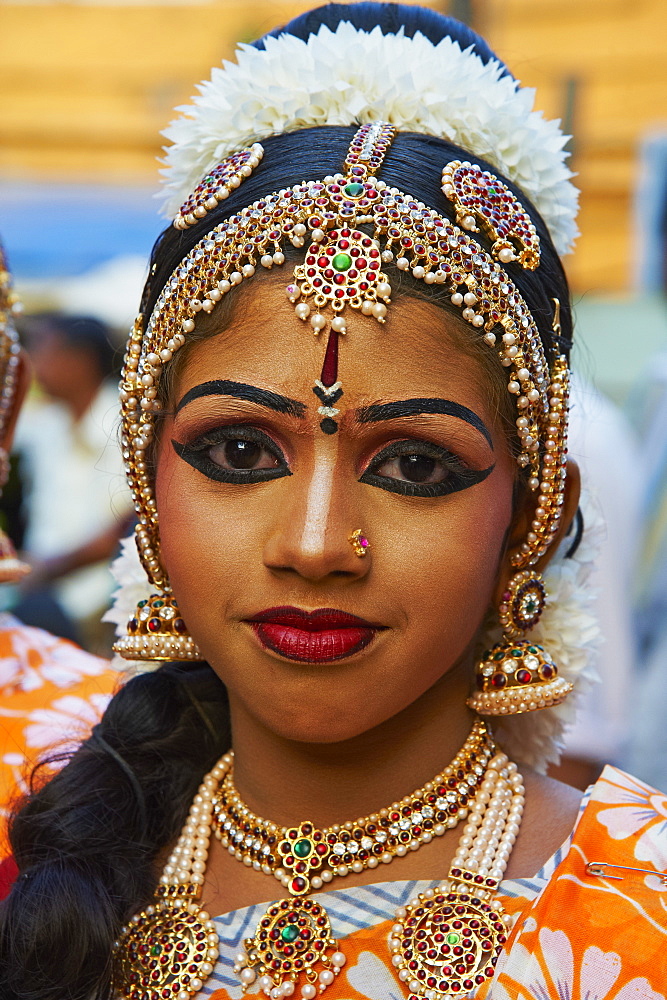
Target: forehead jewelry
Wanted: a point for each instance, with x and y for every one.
(170, 947)
(359, 543)
(343, 272)
(218, 185)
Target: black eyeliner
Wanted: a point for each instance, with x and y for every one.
(460, 477)
(196, 455)
(413, 407)
(249, 393)
(464, 479)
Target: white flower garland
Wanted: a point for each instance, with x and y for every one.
(568, 629)
(349, 76)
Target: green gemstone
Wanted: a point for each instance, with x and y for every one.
(302, 848)
(142, 604)
(342, 261)
(531, 607)
(158, 604)
(156, 949)
(353, 190)
(289, 933)
(499, 656)
(453, 938)
(516, 653)
(532, 649)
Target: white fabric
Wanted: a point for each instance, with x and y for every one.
(602, 442)
(76, 488)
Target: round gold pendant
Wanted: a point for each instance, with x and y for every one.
(448, 944)
(290, 945)
(166, 952)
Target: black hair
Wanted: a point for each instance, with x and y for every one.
(85, 334)
(392, 18)
(87, 841)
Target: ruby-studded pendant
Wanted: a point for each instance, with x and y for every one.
(293, 939)
(167, 950)
(448, 944)
(293, 946)
(343, 269)
(303, 852)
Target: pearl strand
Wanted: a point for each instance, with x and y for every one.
(493, 824)
(484, 849)
(186, 864)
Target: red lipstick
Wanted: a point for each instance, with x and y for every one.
(312, 636)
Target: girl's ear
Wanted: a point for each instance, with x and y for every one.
(522, 524)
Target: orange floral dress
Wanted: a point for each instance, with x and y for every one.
(576, 936)
(51, 694)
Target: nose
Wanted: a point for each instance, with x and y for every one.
(313, 536)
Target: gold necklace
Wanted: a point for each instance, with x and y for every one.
(304, 857)
(169, 949)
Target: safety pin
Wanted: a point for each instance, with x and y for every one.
(597, 868)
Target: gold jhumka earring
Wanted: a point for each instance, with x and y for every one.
(11, 568)
(518, 675)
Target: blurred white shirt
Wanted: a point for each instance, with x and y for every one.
(76, 488)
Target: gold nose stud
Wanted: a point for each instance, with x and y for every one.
(359, 543)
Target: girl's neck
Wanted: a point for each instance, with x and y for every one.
(288, 782)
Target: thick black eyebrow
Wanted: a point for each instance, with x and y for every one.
(412, 407)
(251, 393)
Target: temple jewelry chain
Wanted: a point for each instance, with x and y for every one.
(170, 948)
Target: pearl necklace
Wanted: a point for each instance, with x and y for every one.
(447, 941)
(169, 949)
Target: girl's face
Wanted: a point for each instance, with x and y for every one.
(256, 505)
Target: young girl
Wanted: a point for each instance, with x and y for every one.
(345, 414)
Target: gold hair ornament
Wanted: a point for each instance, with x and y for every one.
(343, 270)
(218, 185)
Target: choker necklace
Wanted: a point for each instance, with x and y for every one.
(169, 949)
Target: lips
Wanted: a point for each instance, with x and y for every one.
(312, 637)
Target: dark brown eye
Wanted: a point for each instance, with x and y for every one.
(238, 454)
(243, 454)
(417, 468)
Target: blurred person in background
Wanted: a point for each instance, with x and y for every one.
(77, 505)
(647, 750)
(50, 690)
